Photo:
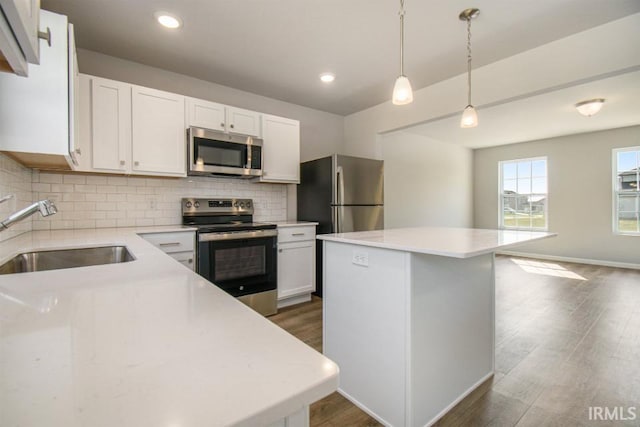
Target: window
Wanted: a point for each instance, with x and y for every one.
(523, 194)
(626, 176)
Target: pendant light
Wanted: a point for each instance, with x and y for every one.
(469, 115)
(402, 93)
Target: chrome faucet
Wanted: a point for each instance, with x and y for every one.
(45, 207)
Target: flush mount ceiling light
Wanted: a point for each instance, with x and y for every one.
(402, 93)
(168, 20)
(469, 115)
(590, 107)
(327, 77)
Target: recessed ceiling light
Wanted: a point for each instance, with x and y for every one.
(168, 20)
(327, 77)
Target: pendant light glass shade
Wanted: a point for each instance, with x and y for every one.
(469, 117)
(402, 93)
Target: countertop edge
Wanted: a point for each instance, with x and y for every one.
(430, 251)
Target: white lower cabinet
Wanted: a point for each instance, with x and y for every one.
(296, 263)
(298, 419)
(179, 245)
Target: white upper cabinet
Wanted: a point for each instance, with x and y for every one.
(35, 112)
(244, 122)
(110, 125)
(281, 150)
(220, 117)
(205, 114)
(19, 24)
(158, 132)
(129, 129)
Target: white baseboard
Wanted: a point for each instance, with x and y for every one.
(569, 259)
(286, 302)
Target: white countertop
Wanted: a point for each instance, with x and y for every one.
(444, 241)
(142, 343)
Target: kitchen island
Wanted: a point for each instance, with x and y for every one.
(143, 343)
(409, 316)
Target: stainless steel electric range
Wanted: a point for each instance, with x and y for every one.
(233, 252)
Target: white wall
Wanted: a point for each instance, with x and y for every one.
(15, 179)
(427, 183)
(580, 194)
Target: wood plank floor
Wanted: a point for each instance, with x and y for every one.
(567, 338)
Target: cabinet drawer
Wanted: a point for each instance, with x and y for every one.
(296, 234)
(185, 258)
(179, 241)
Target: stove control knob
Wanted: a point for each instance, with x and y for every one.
(188, 204)
(248, 205)
(196, 204)
(241, 204)
(235, 204)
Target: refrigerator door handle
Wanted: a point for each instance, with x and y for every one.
(338, 213)
(340, 185)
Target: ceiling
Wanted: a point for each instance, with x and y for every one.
(543, 116)
(277, 48)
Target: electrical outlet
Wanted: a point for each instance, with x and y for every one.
(360, 258)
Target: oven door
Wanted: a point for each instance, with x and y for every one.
(212, 152)
(241, 263)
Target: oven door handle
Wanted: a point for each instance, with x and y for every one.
(236, 235)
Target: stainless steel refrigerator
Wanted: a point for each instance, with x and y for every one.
(343, 194)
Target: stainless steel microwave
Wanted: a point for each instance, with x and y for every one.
(212, 152)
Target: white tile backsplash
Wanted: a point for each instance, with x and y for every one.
(15, 179)
(94, 201)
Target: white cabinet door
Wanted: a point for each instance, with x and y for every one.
(281, 150)
(296, 273)
(19, 33)
(244, 122)
(180, 245)
(110, 125)
(74, 98)
(83, 119)
(205, 114)
(158, 133)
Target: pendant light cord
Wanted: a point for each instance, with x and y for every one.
(401, 13)
(469, 61)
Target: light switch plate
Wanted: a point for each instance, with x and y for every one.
(360, 258)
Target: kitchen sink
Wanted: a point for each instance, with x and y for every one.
(65, 258)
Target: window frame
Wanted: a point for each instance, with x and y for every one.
(615, 192)
(501, 224)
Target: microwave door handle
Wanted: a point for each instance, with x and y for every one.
(249, 151)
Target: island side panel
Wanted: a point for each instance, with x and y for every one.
(452, 331)
(365, 326)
